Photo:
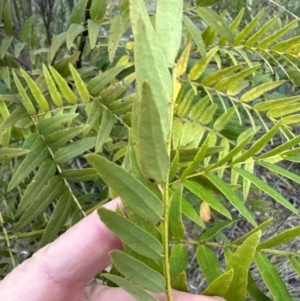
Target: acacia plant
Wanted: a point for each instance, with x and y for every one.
(182, 107)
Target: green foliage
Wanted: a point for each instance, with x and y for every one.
(175, 116)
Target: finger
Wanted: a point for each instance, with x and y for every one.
(104, 293)
(59, 271)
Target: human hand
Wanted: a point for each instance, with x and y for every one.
(60, 271)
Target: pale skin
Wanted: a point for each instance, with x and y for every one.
(60, 271)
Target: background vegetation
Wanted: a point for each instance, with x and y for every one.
(69, 72)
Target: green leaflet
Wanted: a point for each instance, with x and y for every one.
(151, 147)
(279, 239)
(66, 153)
(224, 119)
(26, 28)
(256, 37)
(131, 191)
(215, 77)
(220, 285)
(266, 188)
(254, 292)
(63, 86)
(277, 35)
(201, 65)
(231, 196)
(180, 283)
(57, 219)
(279, 149)
(208, 114)
(59, 139)
(240, 263)
(199, 108)
(5, 43)
(272, 278)
(283, 110)
(47, 195)
(245, 236)
(175, 215)
(78, 12)
(206, 196)
(43, 175)
(248, 29)
(196, 34)
(98, 83)
(73, 31)
(93, 31)
(80, 84)
(206, 2)
(288, 45)
(151, 68)
(79, 175)
(57, 42)
(97, 10)
(7, 18)
(133, 236)
(36, 92)
(216, 229)
(50, 125)
(106, 126)
(117, 28)
(138, 272)
(231, 82)
(186, 103)
(260, 90)
(178, 261)
(208, 263)
(138, 293)
(8, 153)
(296, 264)
(258, 145)
(215, 22)
(62, 66)
(37, 155)
(189, 211)
(26, 100)
(168, 26)
(56, 98)
(197, 160)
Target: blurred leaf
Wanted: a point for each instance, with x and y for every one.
(8, 153)
(57, 219)
(73, 31)
(206, 2)
(178, 261)
(258, 145)
(136, 238)
(7, 18)
(216, 229)
(224, 119)
(63, 86)
(240, 263)
(117, 29)
(254, 292)
(151, 147)
(207, 196)
(196, 34)
(284, 110)
(296, 264)
(47, 195)
(5, 43)
(180, 283)
(80, 84)
(36, 92)
(168, 26)
(37, 155)
(272, 278)
(220, 285)
(175, 215)
(80, 175)
(208, 262)
(97, 10)
(266, 188)
(138, 293)
(131, 191)
(232, 197)
(138, 272)
(26, 28)
(66, 153)
(274, 104)
(44, 174)
(216, 22)
(78, 12)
